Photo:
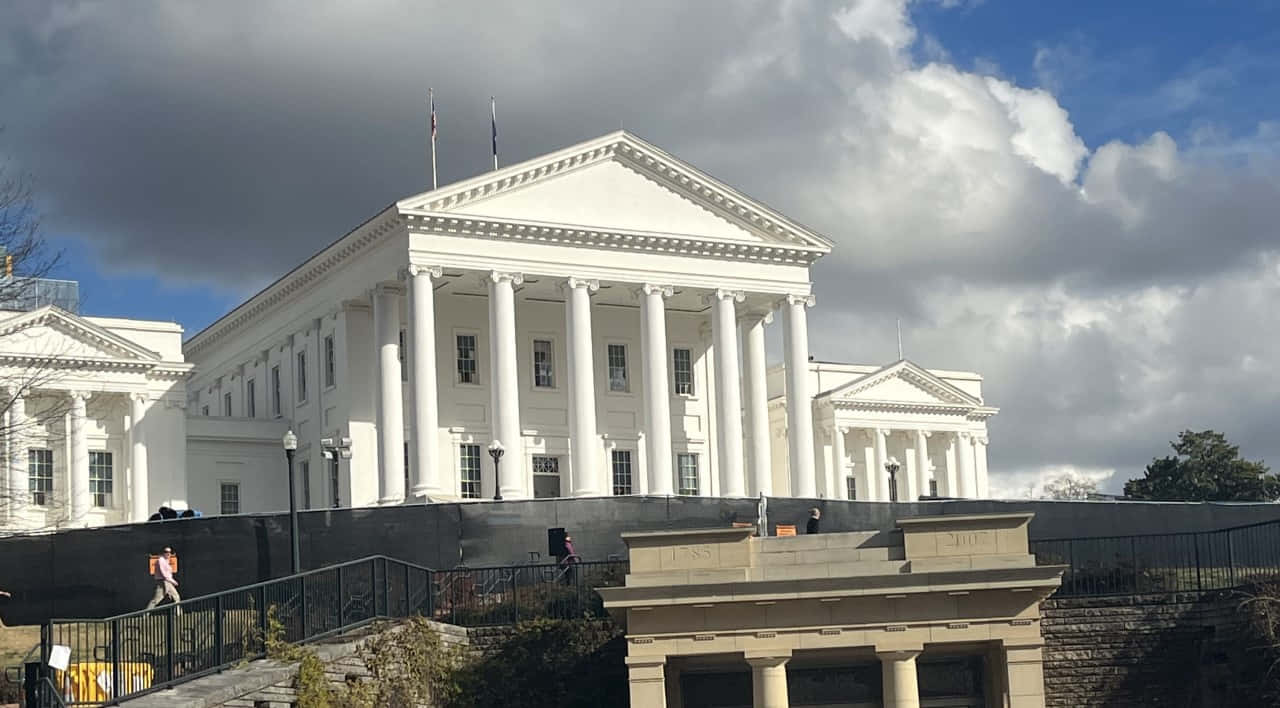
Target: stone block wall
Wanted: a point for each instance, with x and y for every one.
(1170, 650)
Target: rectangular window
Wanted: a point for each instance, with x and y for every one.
(851, 488)
(400, 352)
(543, 364)
(204, 411)
(467, 359)
(304, 471)
(622, 472)
(330, 364)
(275, 390)
(933, 487)
(687, 473)
(335, 489)
(469, 466)
(40, 475)
(546, 477)
(302, 376)
(682, 369)
(617, 355)
(229, 497)
(100, 478)
(406, 469)
(226, 404)
(251, 399)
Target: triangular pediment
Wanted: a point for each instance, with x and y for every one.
(53, 333)
(617, 183)
(902, 382)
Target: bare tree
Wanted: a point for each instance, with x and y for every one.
(1069, 486)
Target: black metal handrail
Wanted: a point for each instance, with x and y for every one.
(139, 652)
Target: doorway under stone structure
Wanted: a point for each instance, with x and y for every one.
(943, 612)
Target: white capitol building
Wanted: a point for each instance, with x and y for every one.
(600, 310)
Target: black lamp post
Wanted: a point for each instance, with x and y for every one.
(291, 446)
(495, 451)
(892, 467)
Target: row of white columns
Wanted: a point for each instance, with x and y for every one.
(966, 451)
(79, 497)
(588, 475)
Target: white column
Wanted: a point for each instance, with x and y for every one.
(980, 467)
(898, 669)
(841, 469)
(909, 473)
(584, 456)
(425, 421)
(386, 328)
(502, 318)
(922, 461)
(952, 454)
(646, 678)
(79, 467)
(799, 402)
(139, 504)
(964, 451)
(728, 394)
(769, 679)
(757, 411)
(19, 494)
(879, 474)
(657, 388)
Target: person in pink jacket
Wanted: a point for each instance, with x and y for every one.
(166, 584)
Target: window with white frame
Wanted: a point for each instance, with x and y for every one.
(100, 474)
(682, 370)
(330, 362)
(687, 473)
(467, 373)
(40, 475)
(275, 390)
(335, 489)
(851, 488)
(302, 376)
(933, 487)
(226, 404)
(617, 360)
(204, 411)
(229, 497)
(251, 399)
(469, 470)
(543, 364)
(621, 472)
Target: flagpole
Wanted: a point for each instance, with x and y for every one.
(430, 94)
(493, 108)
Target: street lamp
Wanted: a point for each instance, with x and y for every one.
(290, 442)
(335, 449)
(495, 451)
(891, 466)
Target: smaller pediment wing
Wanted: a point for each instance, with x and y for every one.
(902, 382)
(51, 332)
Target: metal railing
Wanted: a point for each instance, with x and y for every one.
(1164, 563)
(136, 653)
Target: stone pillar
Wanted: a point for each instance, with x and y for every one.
(879, 474)
(922, 461)
(645, 674)
(901, 690)
(980, 468)
(390, 415)
(503, 369)
(584, 455)
(757, 403)
(79, 467)
(139, 483)
(951, 487)
(19, 486)
(769, 678)
(839, 465)
(657, 388)
(964, 451)
(1024, 667)
(425, 421)
(728, 394)
(795, 349)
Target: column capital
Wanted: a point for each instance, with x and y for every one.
(899, 654)
(752, 316)
(573, 283)
(415, 270)
(962, 436)
(81, 395)
(384, 288)
(979, 440)
(724, 294)
(665, 291)
(806, 299)
(498, 276)
(767, 658)
(924, 433)
(139, 397)
(883, 432)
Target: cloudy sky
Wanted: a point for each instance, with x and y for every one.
(1078, 200)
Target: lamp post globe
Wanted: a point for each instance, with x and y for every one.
(495, 451)
(290, 443)
(891, 466)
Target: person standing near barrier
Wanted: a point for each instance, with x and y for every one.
(166, 584)
(569, 560)
(814, 520)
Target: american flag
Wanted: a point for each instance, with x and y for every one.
(433, 116)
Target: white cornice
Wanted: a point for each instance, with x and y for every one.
(80, 328)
